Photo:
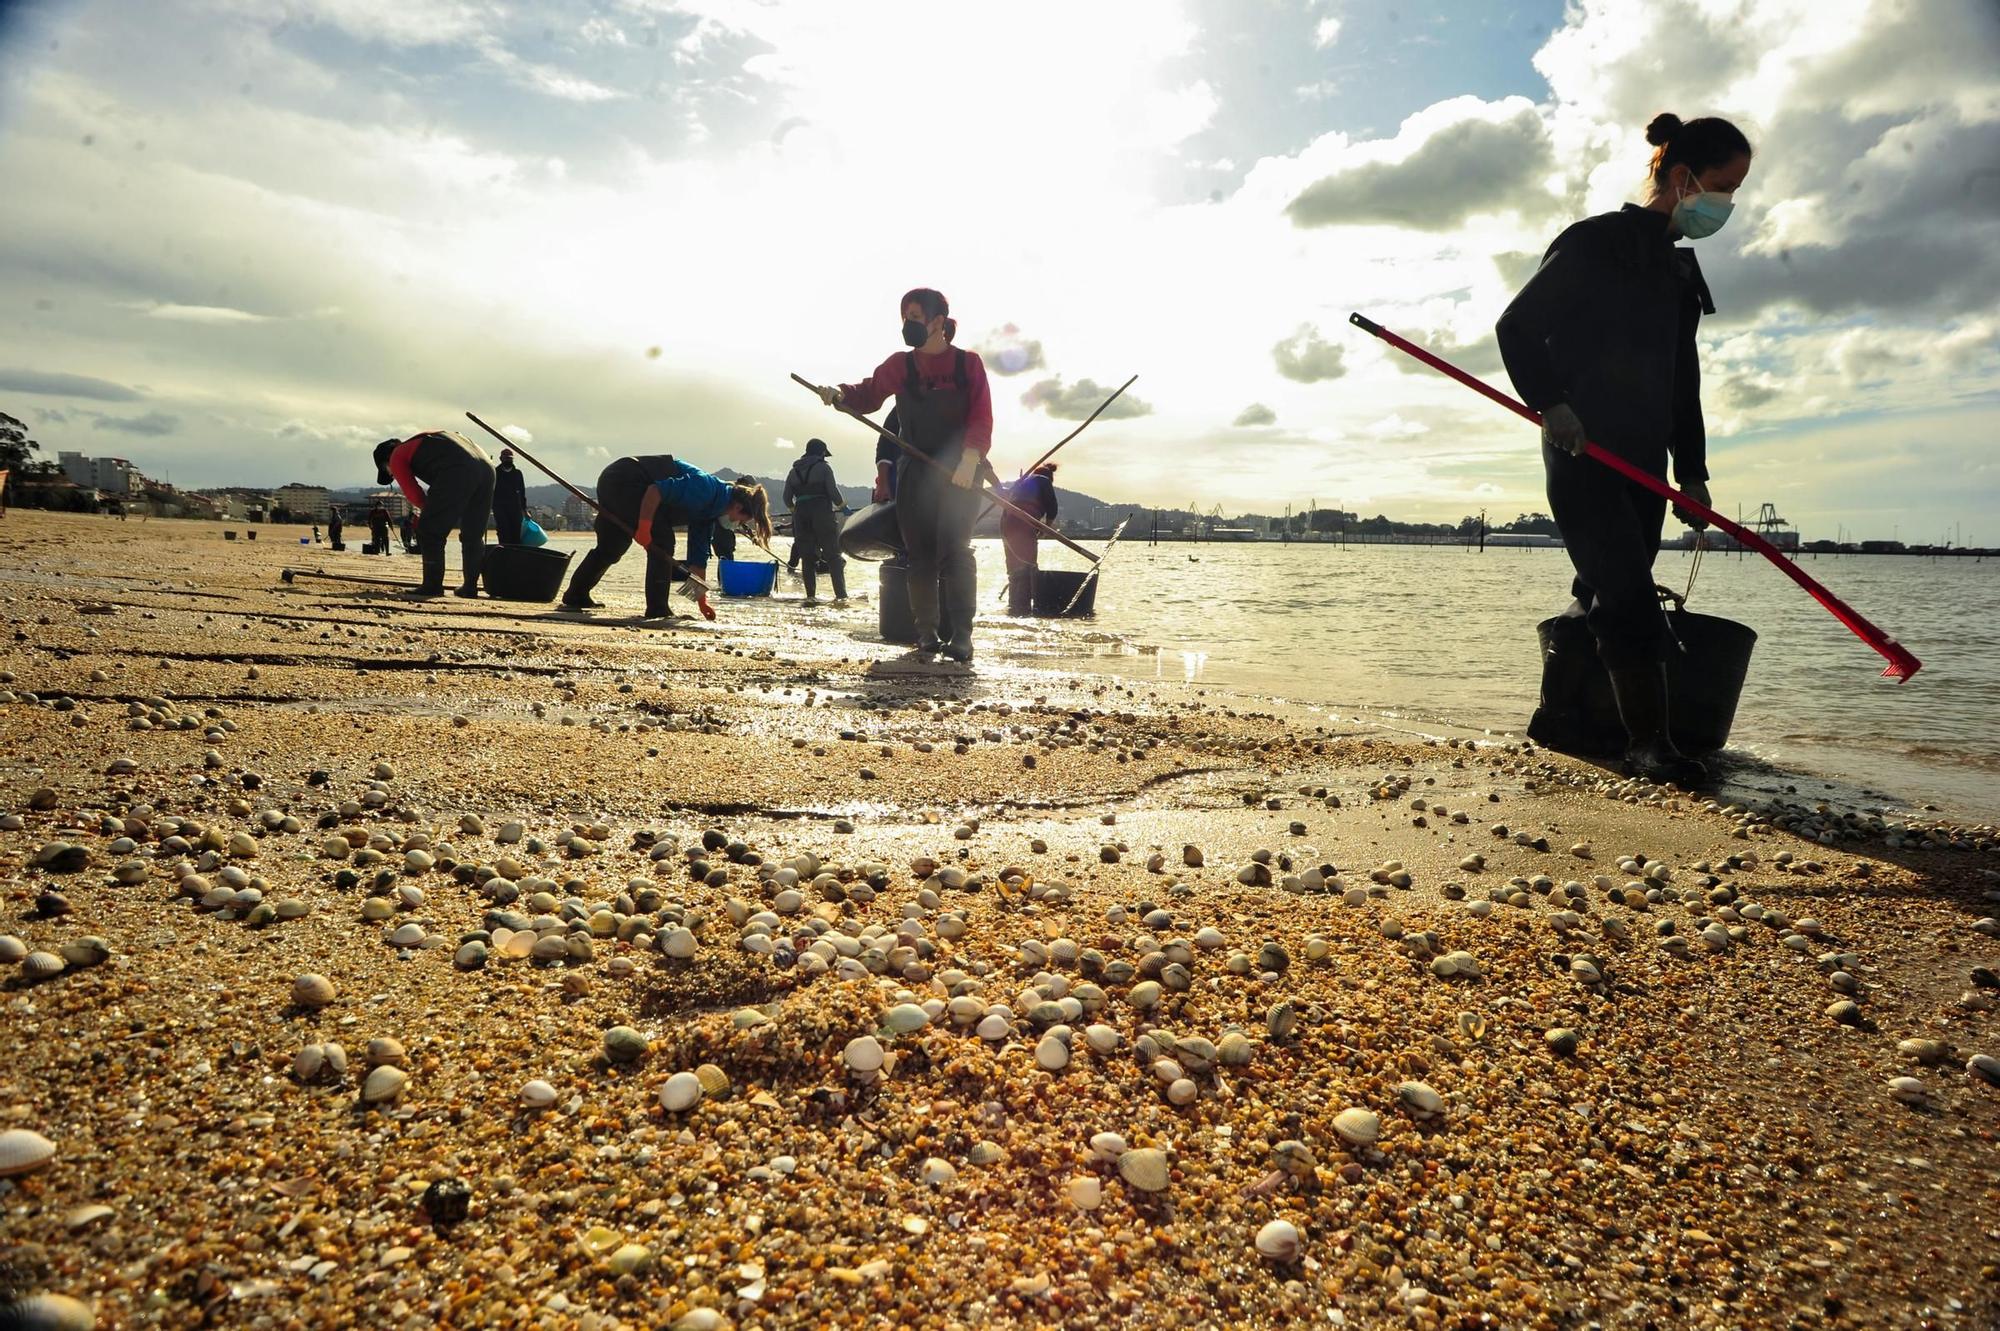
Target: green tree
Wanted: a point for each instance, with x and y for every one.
(16, 449)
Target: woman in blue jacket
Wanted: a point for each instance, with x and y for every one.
(651, 496)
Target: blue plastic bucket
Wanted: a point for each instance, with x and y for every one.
(747, 577)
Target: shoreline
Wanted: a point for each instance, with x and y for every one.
(1708, 1145)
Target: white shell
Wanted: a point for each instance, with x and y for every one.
(1420, 1100)
(678, 943)
(1052, 1054)
(1101, 1038)
(864, 1054)
(1279, 1240)
(42, 965)
(408, 935)
(1085, 1193)
(1985, 1066)
(47, 1312)
(1909, 1090)
(682, 1090)
(22, 1151)
(538, 1094)
(904, 1018)
(1357, 1127)
(994, 1027)
(313, 991)
(12, 949)
(1108, 1146)
(1181, 1091)
(384, 1084)
(1145, 1169)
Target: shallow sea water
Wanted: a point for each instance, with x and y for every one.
(1442, 640)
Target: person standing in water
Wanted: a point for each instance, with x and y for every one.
(945, 409)
(650, 496)
(510, 500)
(1601, 342)
(813, 496)
(456, 491)
(1035, 495)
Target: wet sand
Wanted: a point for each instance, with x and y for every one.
(1706, 1146)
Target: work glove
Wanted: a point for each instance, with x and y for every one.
(707, 610)
(1697, 491)
(967, 474)
(1562, 430)
(830, 395)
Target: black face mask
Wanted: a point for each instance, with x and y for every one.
(915, 333)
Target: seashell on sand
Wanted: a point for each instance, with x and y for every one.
(23, 1152)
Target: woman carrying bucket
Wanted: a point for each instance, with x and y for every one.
(1601, 342)
(945, 410)
(649, 497)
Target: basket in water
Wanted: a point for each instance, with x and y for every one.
(522, 572)
(747, 577)
(1578, 714)
(1056, 588)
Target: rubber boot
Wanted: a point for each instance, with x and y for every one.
(433, 583)
(1641, 691)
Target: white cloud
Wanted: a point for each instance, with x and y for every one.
(456, 253)
(197, 314)
(1307, 357)
(1325, 33)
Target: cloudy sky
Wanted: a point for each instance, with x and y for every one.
(241, 240)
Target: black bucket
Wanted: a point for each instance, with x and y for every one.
(523, 572)
(871, 533)
(1579, 715)
(1054, 588)
(892, 603)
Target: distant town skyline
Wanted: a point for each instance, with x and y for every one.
(266, 237)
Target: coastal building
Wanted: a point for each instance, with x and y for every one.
(113, 476)
(306, 503)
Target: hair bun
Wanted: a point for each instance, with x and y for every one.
(1662, 129)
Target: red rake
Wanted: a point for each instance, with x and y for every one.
(1902, 664)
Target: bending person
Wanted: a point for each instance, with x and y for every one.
(812, 494)
(449, 481)
(1601, 342)
(945, 410)
(649, 497)
(1034, 494)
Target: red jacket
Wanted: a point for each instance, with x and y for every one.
(939, 371)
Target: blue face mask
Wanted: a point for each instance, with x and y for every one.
(1702, 212)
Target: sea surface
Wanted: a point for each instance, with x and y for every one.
(1441, 640)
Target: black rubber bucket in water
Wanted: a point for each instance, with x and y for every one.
(892, 604)
(523, 572)
(1579, 715)
(1054, 588)
(871, 533)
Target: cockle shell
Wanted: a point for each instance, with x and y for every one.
(1279, 1240)
(1146, 1169)
(1357, 1127)
(681, 1091)
(22, 1151)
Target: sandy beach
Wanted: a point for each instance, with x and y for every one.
(1011, 999)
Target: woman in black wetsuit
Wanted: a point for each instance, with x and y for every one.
(1601, 342)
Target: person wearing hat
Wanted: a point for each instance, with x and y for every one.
(447, 479)
(510, 500)
(813, 496)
